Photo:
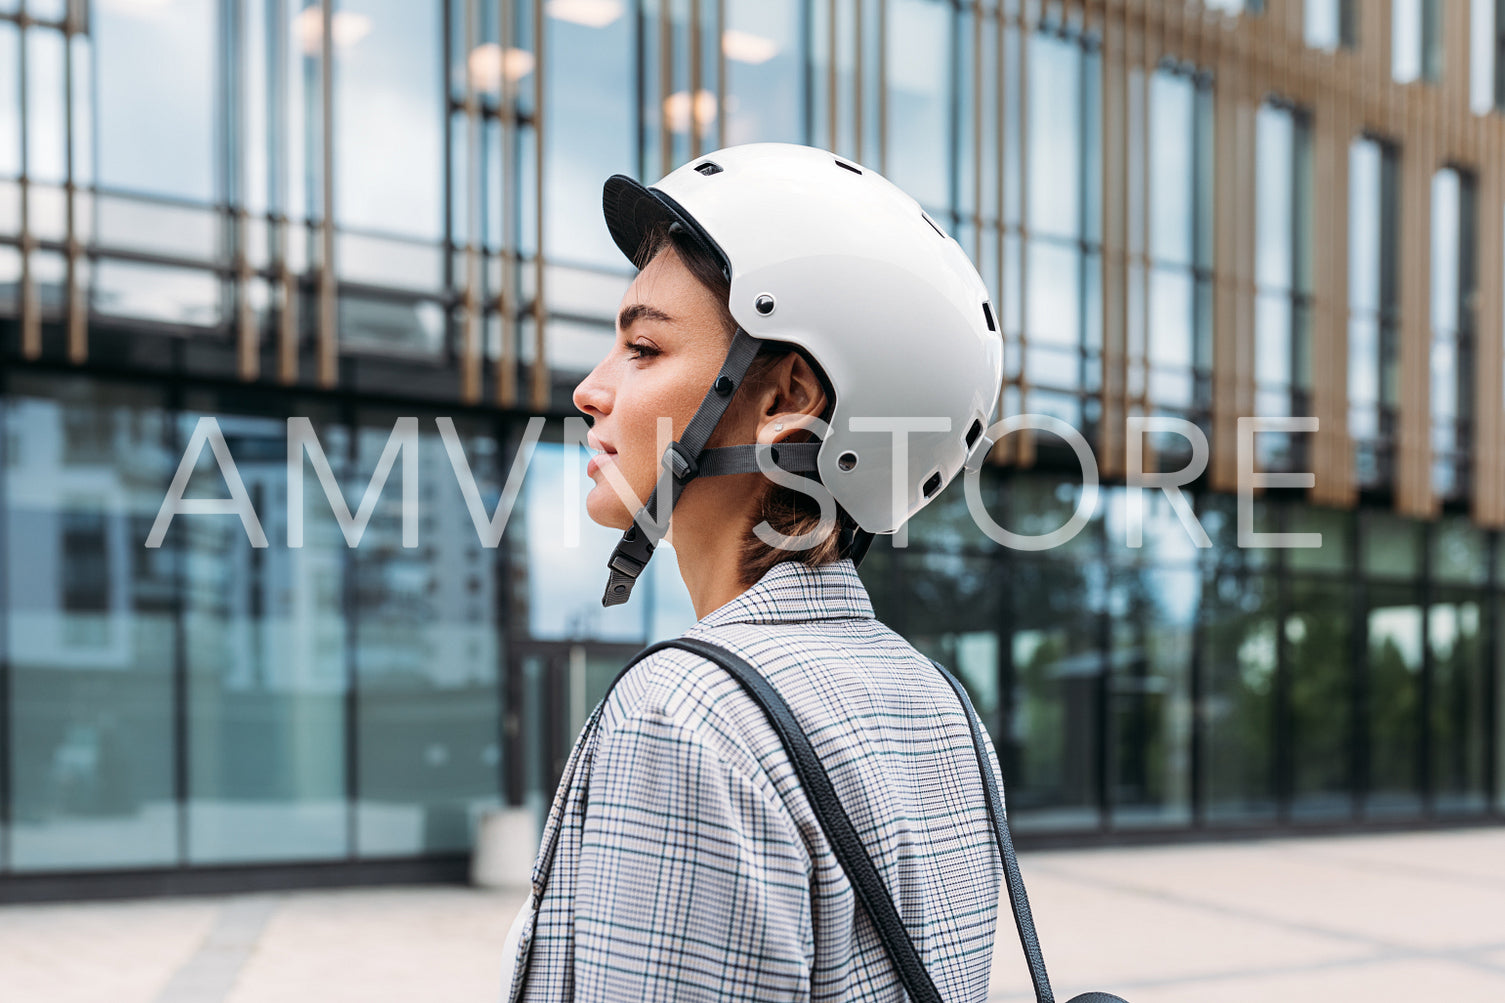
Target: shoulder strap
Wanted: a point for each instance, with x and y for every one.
(845, 843)
(1024, 921)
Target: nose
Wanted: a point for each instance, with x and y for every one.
(593, 394)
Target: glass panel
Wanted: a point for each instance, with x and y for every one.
(591, 125)
(1318, 646)
(428, 652)
(951, 612)
(1405, 39)
(1364, 210)
(1445, 247)
(10, 103)
(391, 326)
(176, 231)
(389, 115)
(1272, 344)
(1055, 294)
(1482, 54)
(1336, 526)
(157, 293)
(919, 68)
(1395, 661)
(1456, 638)
(1171, 168)
(1050, 755)
(156, 93)
(46, 150)
(91, 639)
(763, 68)
(1274, 194)
(565, 568)
(1055, 136)
(1240, 634)
(1324, 24)
(1459, 552)
(1391, 545)
(1170, 320)
(1153, 617)
(264, 630)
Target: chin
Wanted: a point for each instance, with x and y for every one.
(606, 509)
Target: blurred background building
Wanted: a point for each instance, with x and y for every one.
(366, 209)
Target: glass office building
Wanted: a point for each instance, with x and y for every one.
(383, 217)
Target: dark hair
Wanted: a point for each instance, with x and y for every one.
(787, 511)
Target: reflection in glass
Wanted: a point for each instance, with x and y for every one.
(1317, 632)
(91, 644)
(1394, 692)
(1153, 615)
(1050, 754)
(1241, 641)
(1455, 638)
(158, 293)
(427, 652)
(264, 630)
(565, 568)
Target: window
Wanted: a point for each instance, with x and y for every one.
(1330, 24)
(1063, 324)
(1454, 289)
(1179, 339)
(1283, 277)
(1484, 44)
(1374, 308)
(1416, 40)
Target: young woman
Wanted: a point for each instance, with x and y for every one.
(786, 299)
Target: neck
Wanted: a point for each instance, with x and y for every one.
(707, 536)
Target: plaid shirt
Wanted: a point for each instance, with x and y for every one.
(681, 860)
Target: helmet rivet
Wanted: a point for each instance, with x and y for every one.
(764, 304)
(847, 460)
(723, 385)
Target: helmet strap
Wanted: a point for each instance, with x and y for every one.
(679, 466)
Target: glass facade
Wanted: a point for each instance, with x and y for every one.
(383, 218)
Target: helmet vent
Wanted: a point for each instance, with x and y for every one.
(987, 314)
(937, 229)
(854, 169)
(932, 484)
(847, 461)
(708, 168)
(974, 432)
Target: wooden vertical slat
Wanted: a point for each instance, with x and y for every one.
(472, 302)
(1489, 331)
(1414, 494)
(329, 369)
(507, 307)
(539, 376)
(1115, 228)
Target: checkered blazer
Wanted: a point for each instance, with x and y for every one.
(681, 860)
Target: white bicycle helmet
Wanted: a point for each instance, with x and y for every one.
(832, 258)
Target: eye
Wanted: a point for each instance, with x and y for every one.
(642, 350)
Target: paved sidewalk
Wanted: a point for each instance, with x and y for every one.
(1413, 917)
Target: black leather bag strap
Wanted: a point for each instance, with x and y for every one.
(845, 843)
(1024, 921)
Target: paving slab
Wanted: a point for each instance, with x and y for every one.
(1390, 918)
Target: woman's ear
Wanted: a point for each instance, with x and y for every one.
(795, 398)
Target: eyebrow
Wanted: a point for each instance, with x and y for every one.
(634, 312)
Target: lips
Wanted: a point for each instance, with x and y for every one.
(607, 453)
